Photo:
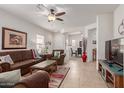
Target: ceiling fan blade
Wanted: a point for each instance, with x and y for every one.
(40, 6)
(59, 19)
(60, 14)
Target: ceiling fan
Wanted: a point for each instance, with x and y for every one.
(52, 15)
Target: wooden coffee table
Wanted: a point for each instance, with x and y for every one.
(47, 65)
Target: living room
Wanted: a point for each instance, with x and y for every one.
(41, 47)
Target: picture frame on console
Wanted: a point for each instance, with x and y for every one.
(13, 39)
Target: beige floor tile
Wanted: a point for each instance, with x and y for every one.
(82, 75)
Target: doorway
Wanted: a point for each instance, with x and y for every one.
(91, 45)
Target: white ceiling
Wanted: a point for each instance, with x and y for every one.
(77, 15)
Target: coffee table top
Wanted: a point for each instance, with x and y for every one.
(44, 64)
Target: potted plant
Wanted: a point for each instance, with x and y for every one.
(84, 55)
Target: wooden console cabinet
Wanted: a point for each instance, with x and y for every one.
(112, 74)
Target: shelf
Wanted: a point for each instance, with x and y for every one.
(112, 69)
(109, 84)
(100, 72)
(111, 75)
(109, 78)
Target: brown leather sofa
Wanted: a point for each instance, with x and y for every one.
(60, 61)
(40, 79)
(22, 59)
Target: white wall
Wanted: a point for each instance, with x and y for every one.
(77, 38)
(104, 33)
(59, 41)
(10, 21)
(89, 27)
(118, 16)
(67, 48)
(90, 45)
(90, 35)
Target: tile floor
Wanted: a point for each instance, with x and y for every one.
(82, 75)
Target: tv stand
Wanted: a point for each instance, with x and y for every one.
(112, 74)
(120, 69)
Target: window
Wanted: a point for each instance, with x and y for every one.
(40, 42)
(73, 42)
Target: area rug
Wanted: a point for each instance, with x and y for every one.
(57, 77)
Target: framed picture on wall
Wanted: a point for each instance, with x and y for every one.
(13, 39)
(94, 42)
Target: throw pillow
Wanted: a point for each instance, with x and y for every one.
(7, 59)
(57, 54)
(35, 54)
(10, 78)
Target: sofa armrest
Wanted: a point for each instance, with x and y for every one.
(63, 54)
(0, 69)
(61, 57)
(46, 56)
(5, 66)
(49, 56)
(39, 79)
(19, 85)
(60, 61)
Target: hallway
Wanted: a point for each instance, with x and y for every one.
(82, 75)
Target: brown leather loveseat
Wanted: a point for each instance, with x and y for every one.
(60, 60)
(22, 59)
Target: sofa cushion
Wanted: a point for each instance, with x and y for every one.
(27, 55)
(39, 60)
(7, 59)
(23, 64)
(22, 60)
(18, 55)
(15, 55)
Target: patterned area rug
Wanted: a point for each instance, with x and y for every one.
(57, 77)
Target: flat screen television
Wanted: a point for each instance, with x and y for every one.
(108, 50)
(114, 50)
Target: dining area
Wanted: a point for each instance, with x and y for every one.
(77, 52)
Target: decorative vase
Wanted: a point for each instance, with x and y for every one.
(84, 57)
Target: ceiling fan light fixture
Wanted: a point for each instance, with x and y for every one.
(51, 17)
